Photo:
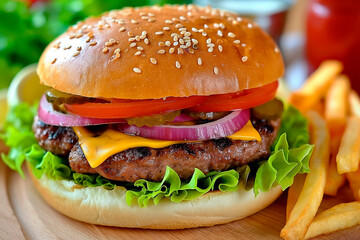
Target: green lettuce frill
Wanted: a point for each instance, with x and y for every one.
(290, 156)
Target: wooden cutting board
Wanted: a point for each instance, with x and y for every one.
(25, 215)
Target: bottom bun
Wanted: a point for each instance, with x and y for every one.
(96, 205)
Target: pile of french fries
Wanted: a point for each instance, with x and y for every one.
(333, 111)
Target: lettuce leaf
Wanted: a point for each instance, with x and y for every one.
(290, 156)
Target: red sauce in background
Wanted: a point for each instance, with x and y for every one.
(333, 32)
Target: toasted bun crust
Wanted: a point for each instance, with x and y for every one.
(109, 208)
(136, 54)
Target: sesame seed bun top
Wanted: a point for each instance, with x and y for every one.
(156, 52)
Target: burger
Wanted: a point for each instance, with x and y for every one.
(163, 118)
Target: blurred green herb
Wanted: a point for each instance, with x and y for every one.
(25, 31)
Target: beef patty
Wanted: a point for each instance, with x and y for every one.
(150, 164)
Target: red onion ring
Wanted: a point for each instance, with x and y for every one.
(220, 128)
(48, 115)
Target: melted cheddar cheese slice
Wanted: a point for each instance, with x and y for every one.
(98, 148)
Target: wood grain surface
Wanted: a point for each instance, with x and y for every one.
(25, 215)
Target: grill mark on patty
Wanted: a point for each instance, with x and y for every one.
(147, 163)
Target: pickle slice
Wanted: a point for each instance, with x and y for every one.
(270, 111)
(207, 115)
(153, 120)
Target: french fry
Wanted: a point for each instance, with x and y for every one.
(354, 101)
(349, 152)
(313, 190)
(354, 182)
(333, 180)
(337, 218)
(294, 193)
(336, 105)
(316, 86)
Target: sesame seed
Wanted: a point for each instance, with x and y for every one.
(140, 48)
(168, 43)
(146, 41)
(183, 29)
(210, 45)
(208, 40)
(187, 34)
(276, 50)
(132, 44)
(134, 21)
(194, 41)
(183, 46)
(108, 44)
(211, 49)
(220, 48)
(177, 64)
(175, 44)
(90, 34)
(204, 34)
(239, 19)
(153, 61)
(222, 26)
(93, 43)
(220, 33)
(130, 34)
(161, 51)
(107, 25)
(243, 44)
(151, 14)
(137, 38)
(180, 51)
(151, 20)
(194, 29)
(216, 70)
(53, 61)
(132, 39)
(105, 50)
(234, 22)
(181, 41)
(137, 53)
(166, 28)
(204, 17)
(66, 48)
(191, 50)
(250, 25)
(122, 29)
(78, 48)
(144, 33)
(199, 61)
(179, 25)
(117, 50)
(176, 38)
(117, 56)
(236, 41)
(182, 18)
(88, 40)
(244, 59)
(145, 17)
(75, 54)
(159, 33)
(137, 70)
(161, 44)
(169, 21)
(171, 50)
(188, 44)
(206, 26)
(231, 34)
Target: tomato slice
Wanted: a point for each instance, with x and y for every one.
(120, 108)
(240, 100)
(126, 108)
